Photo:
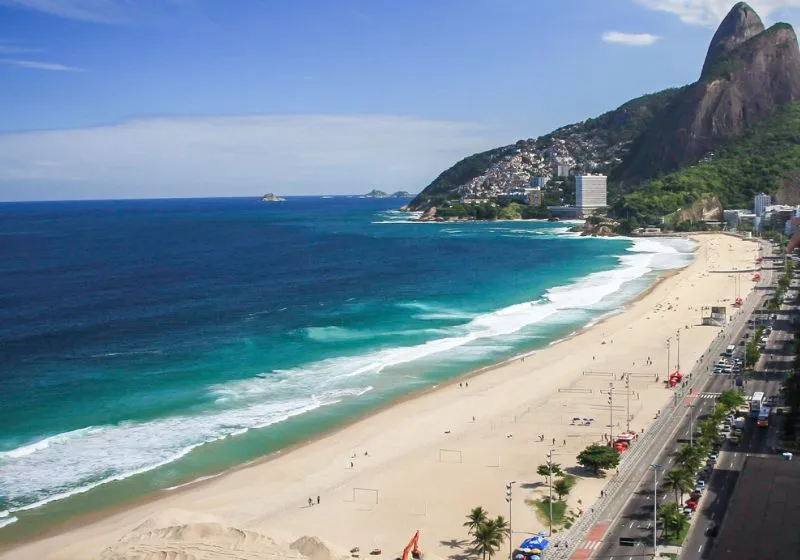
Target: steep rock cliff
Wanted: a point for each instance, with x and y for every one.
(745, 79)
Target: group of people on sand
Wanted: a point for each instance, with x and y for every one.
(353, 456)
(311, 501)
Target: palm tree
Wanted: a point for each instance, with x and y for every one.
(477, 517)
(501, 525)
(689, 457)
(488, 536)
(678, 481)
(669, 515)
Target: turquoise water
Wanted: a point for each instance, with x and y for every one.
(147, 344)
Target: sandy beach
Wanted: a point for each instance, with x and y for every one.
(425, 462)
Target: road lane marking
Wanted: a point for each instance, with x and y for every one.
(631, 525)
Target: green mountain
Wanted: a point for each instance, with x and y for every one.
(727, 136)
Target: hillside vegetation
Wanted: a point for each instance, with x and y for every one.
(758, 161)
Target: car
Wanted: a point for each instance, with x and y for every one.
(688, 512)
(700, 484)
(734, 440)
(692, 505)
(713, 457)
(712, 530)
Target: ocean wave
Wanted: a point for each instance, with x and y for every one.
(78, 461)
(4, 522)
(333, 334)
(488, 330)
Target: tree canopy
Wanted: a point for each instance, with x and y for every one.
(597, 457)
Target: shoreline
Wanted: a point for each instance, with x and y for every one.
(394, 407)
(193, 483)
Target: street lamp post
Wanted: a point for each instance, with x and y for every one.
(668, 345)
(628, 394)
(678, 357)
(691, 425)
(508, 499)
(611, 413)
(655, 468)
(550, 479)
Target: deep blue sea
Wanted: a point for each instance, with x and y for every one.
(145, 344)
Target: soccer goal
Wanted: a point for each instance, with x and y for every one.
(365, 495)
(450, 456)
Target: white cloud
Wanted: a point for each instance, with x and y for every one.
(248, 155)
(37, 65)
(9, 47)
(711, 12)
(105, 11)
(632, 39)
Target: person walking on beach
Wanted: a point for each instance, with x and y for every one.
(310, 502)
(565, 443)
(317, 500)
(351, 464)
(554, 441)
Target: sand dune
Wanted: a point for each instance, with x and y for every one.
(184, 535)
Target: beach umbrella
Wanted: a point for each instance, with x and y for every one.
(536, 557)
(536, 551)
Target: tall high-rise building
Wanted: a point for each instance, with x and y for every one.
(761, 202)
(590, 193)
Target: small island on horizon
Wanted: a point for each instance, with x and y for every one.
(374, 193)
(272, 197)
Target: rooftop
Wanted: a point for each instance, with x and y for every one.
(763, 517)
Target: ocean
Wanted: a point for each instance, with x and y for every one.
(148, 344)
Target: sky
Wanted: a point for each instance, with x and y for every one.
(195, 98)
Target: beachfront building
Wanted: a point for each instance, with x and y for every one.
(776, 216)
(538, 182)
(590, 193)
(534, 196)
(760, 204)
(563, 170)
(737, 218)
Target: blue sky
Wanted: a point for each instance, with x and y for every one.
(149, 98)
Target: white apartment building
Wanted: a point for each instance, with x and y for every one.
(761, 202)
(590, 193)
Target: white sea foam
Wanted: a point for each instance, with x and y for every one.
(75, 462)
(4, 522)
(195, 481)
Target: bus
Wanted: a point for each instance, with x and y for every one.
(763, 417)
(730, 350)
(756, 402)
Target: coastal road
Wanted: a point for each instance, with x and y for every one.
(778, 361)
(630, 513)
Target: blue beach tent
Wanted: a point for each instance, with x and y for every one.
(537, 542)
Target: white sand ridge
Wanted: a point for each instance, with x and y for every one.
(180, 535)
